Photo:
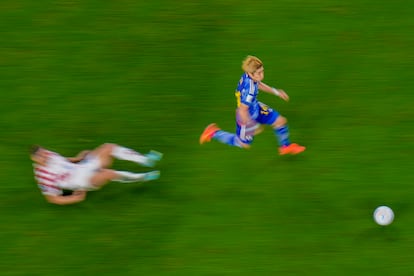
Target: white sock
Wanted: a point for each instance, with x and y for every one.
(123, 153)
(127, 177)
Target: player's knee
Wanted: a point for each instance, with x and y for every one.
(242, 144)
(108, 147)
(280, 121)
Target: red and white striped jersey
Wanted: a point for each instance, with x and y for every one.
(52, 178)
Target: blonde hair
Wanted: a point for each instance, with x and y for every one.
(251, 64)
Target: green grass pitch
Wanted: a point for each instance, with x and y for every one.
(152, 75)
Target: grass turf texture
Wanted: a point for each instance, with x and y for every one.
(151, 75)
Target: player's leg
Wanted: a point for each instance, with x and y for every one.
(108, 151)
(104, 176)
(281, 131)
(103, 153)
(243, 137)
(279, 123)
(212, 131)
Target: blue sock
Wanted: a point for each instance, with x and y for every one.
(282, 134)
(227, 138)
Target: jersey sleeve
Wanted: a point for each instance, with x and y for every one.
(46, 181)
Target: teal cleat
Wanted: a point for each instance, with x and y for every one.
(153, 157)
(154, 175)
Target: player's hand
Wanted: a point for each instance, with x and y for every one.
(283, 95)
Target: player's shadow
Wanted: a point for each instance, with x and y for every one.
(377, 233)
(123, 189)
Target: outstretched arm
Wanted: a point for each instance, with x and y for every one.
(81, 155)
(76, 197)
(278, 92)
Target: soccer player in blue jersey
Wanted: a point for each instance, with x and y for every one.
(252, 114)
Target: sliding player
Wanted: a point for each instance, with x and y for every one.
(88, 171)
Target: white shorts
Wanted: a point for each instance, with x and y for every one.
(84, 171)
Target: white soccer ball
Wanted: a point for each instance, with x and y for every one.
(383, 215)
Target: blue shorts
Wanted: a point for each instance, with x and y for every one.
(267, 116)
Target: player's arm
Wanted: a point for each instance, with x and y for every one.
(76, 197)
(278, 92)
(81, 155)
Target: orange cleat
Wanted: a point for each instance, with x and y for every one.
(291, 149)
(208, 133)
